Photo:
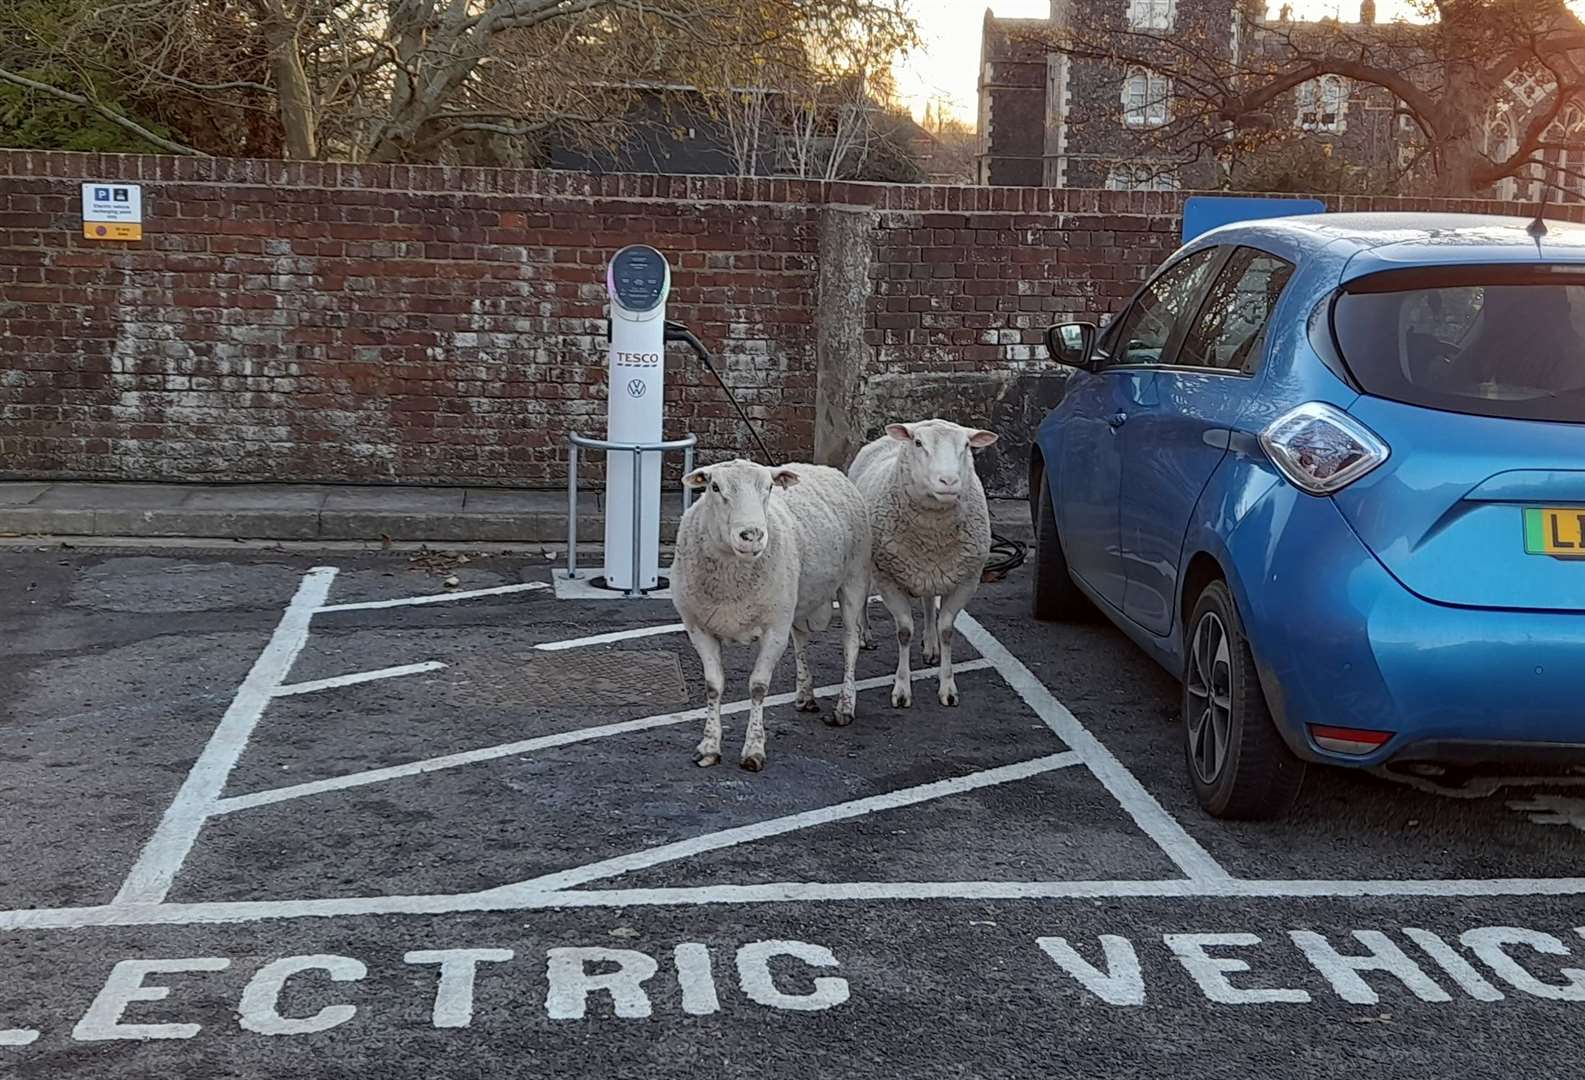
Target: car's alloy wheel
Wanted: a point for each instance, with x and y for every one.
(1210, 705)
(1237, 761)
(1053, 595)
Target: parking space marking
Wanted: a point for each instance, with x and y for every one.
(437, 598)
(151, 876)
(542, 742)
(1141, 805)
(760, 830)
(18, 1037)
(357, 677)
(141, 899)
(243, 911)
(614, 636)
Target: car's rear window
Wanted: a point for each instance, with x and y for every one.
(1490, 341)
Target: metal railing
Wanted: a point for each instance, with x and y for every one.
(686, 444)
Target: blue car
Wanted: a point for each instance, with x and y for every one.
(1330, 471)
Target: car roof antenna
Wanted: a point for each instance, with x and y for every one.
(1537, 228)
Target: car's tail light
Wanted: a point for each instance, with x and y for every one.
(1321, 449)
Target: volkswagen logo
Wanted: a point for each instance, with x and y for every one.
(636, 388)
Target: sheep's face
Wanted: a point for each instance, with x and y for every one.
(937, 460)
(733, 496)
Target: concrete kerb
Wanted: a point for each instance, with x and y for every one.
(309, 513)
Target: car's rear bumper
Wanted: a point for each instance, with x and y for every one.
(1340, 643)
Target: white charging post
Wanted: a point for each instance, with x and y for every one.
(638, 281)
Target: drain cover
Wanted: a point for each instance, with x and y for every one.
(571, 679)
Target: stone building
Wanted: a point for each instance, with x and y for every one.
(1053, 120)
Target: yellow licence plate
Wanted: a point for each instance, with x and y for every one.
(1555, 531)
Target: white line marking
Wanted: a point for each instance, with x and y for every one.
(18, 1037)
(358, 677)
(438, 598)
(543, 742)
(150, 878)
(785, 892)
(605, 639)
(1142, 806)
(760, 830)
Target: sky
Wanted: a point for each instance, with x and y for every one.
(946, 67)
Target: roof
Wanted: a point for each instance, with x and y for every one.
(1373, 242)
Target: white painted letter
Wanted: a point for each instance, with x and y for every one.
(571, 984)
(1341, 971)
(260, 1007)
(124, 986)
(695, 979)
(1120, 984)
(753, 970)
(454, 998)
(1461, 970)
(1487, 943)
(1211, 971)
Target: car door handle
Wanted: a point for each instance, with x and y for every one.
(1117, 420)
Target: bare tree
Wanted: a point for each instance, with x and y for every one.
(401, 80)
(1445, 76)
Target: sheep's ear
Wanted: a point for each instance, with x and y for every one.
(697, 479)
(784, 478)
(981, 439)
(900, 432)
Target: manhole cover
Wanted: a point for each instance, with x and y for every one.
(571, 679)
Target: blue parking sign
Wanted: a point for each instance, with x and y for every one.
(101, 194)
(1202, 213)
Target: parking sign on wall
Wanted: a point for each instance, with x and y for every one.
(112, 211)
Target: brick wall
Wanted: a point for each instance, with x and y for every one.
(322, 322)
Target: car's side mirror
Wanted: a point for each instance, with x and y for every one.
(1071, 343)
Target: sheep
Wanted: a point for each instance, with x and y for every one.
(931, 535)
(761, 555)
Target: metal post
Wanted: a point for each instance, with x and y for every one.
(637, 590)
(687, 467)
(572, 511)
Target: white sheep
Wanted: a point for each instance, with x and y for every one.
(931, 535)
(761, 555)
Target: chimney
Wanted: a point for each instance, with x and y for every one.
(1367, 12)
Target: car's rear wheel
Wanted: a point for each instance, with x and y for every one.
(1237, 761)
(1053, 595)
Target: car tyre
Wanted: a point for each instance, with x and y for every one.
(1053, 595)
(1237, 761)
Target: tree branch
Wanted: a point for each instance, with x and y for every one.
(114, 117)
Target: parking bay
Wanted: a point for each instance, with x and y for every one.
(929, 852)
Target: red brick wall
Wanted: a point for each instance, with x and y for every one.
(323, 322)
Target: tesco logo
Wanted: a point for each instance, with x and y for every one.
(638, 359)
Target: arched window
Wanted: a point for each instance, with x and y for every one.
(1146, 98)
(1321, 105)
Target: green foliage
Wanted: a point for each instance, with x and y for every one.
(33, 120)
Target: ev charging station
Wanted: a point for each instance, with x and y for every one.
(638, 282)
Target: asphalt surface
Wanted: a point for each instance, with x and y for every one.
(120, 667)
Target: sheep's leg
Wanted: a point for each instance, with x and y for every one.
(902, 609)
(932, 643)
(709, 650)
(950, 608)
(806, 682)
(866, 639)
(853, 595)
(770, 654)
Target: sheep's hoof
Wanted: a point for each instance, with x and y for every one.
(809, 706)
(931, 656)
(753, 762)
(902, 698)
(948, 695)
(840, 719)
(868, 645)
(704, 761)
